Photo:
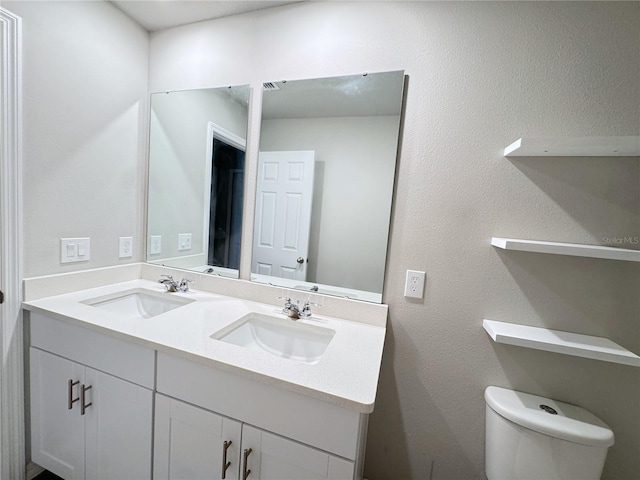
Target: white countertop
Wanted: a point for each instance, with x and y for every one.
(346, 374)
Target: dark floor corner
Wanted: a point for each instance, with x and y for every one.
(46, 475)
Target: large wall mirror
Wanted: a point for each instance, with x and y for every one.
(326, 171)
(196, 178)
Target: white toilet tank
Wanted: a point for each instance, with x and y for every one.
(535, 438)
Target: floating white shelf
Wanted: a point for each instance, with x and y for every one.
(573, 249)
(574, 147)
(586, 346)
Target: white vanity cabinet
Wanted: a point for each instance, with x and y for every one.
(192, 443)
(274, 433)
(91, 403)
(115, 397)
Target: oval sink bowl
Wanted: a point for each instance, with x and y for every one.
(138, 303)
(278, 336)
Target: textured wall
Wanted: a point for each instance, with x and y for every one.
(84, 133)
(481, 74)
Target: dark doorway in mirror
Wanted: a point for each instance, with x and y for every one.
(225, 221)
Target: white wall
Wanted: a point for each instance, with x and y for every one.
(85, 85)
(355, 169)
(481, 74)
(177, 161)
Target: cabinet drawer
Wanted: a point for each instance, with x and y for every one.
(102, 352)
(305, 419)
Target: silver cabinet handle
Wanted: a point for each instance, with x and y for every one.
(225, 463)
(245, 471)
(71, 399)
(83, 405)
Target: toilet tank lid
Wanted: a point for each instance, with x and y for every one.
(570, 422)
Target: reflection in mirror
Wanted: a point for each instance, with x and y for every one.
(196, 178)
(325, 183)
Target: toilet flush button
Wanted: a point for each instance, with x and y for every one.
(548, 409)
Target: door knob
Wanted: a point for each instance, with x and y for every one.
(300, 260)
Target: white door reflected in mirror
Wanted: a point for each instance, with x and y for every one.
(283, 214)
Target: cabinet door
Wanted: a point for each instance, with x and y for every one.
(190, 443)
(57, 432)
(272, 457)
(118, 428)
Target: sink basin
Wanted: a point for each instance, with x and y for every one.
(138, 303)
(279, 336)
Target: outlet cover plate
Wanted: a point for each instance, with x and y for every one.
(155, 244)
(125, 247)
(414, 284)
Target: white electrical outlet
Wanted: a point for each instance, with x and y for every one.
(414, 284)
(155, 245)
(75, 250)
(125, 247)
(184, 241)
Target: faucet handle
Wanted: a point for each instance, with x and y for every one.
(287, 300)
(184, 284)
(306, 309)
(169, 283)
(289, 309)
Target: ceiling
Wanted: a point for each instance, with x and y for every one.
(160, 14)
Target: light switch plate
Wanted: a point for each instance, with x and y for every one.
(75, 249)
(125, 247)
(414, 284)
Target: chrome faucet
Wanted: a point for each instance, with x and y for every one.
(172, 286)
(294, 311)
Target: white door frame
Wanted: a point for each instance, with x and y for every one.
(12, 425)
